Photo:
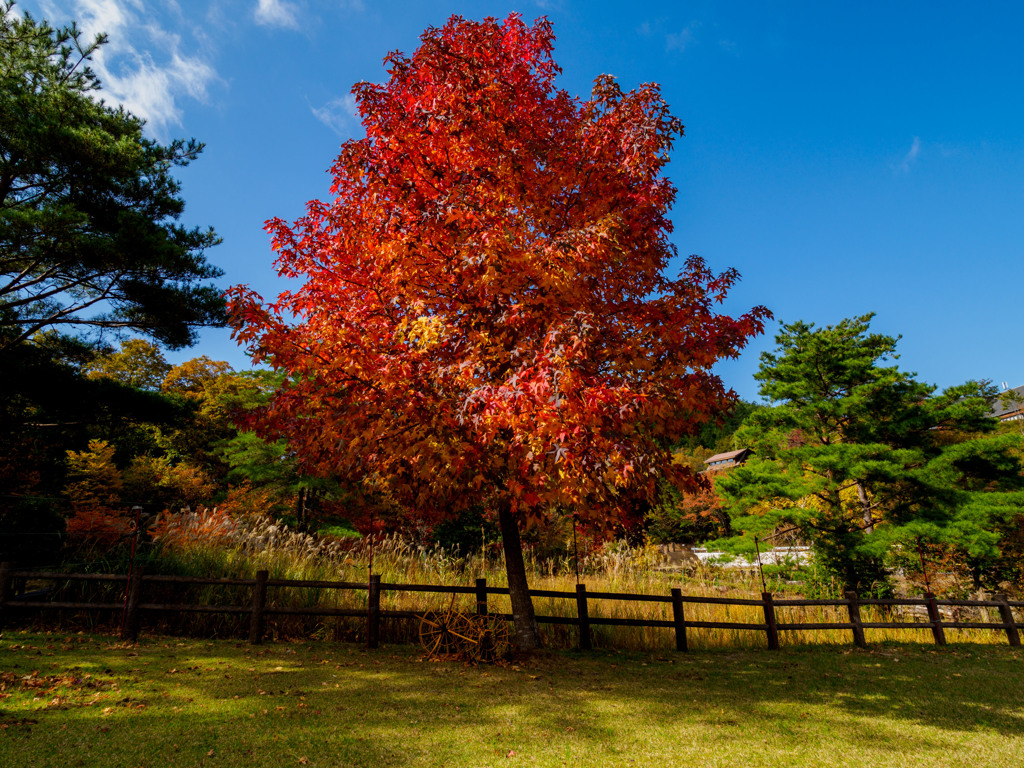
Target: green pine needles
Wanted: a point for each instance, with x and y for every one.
(862, 460)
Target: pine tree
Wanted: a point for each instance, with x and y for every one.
(88, 205)
(857, 455)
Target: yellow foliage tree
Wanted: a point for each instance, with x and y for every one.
(94, 489)
(139, 364)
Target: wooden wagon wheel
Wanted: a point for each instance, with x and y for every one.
(447, 633)
(493, 640)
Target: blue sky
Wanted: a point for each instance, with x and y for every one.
(844, 157)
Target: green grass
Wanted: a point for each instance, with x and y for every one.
(80, 700)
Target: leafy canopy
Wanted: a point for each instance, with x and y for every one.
(88, 206)
(138, 364)
(483, 308)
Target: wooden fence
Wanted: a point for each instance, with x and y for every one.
(133, 607)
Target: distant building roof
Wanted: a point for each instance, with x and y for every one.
(728, 459)
(1009, 411)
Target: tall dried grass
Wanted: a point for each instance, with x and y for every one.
(213, 544)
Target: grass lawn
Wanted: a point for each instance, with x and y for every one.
(81, 700)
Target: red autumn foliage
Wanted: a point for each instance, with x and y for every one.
(702, 504)
(483, 308)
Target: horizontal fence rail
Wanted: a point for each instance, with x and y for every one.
(257, 607)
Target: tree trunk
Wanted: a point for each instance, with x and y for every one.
(865, 505)
(726, 522)
(300, 509)
(527, 637)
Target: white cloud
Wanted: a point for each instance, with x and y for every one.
(108, 16)
(277, 13)
(144, 66)
(680, 42)
(149, 89)
(340, 115)
(911, 156)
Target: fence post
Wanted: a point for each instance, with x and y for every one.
(130, 627)
(679, 618)
(584, 616)
(373, 612)
(481, 597)
(1007, 614)
(853, 605)
(259, 602)
(936, 619)
(769, 619)
(5, 589)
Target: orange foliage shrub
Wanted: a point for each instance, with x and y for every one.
(244, 499)
(182, 529)
(704, 505)
(102, 527)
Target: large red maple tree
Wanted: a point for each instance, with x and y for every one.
(483, 312)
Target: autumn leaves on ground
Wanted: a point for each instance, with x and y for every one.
(80, 700)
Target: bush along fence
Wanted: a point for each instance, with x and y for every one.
(133, 606)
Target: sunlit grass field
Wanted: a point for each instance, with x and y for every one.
(85, 700)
